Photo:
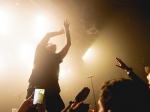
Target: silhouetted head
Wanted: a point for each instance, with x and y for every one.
(51, 47)
(121, 95)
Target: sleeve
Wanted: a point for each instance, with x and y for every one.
(137, 80)
(143, 89)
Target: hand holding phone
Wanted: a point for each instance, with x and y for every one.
(38, 95)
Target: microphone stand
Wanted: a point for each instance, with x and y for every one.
(93, 90)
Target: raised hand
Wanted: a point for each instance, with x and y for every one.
(122, 65)
(41, 108)
(75, 108)
(66, 24)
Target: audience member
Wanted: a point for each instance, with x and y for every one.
(119, 95)
(131, 74)
(122, 95)
(29, 103)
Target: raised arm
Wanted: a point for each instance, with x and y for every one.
(65, 49)
(49, 35)
(130, 73)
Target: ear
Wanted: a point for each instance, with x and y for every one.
(109, 111)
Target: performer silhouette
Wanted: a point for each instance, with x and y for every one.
(46, 70)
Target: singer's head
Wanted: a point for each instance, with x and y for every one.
(51, 47)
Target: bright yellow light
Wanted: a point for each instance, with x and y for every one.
(27, 52)
(44, 24)
(31, 66)
(64, 72)
(88, 54)
(40, 26)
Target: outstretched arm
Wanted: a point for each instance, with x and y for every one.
(130, 73)
(49, 35)
(65, 49)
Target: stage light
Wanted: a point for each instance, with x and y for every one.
(64, 72)
(88, 54)
(40, 26)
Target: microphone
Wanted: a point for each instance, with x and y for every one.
(90, 76)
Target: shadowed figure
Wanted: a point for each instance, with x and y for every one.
(46, 70)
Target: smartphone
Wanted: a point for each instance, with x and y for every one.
(38, 95)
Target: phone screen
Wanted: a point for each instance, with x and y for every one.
(38, 96)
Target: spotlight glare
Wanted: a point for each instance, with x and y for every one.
(31, 66)
(26, 52)
(87, 54)
(63, 72)
(40, 26)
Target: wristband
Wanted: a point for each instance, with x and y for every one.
(129, 70)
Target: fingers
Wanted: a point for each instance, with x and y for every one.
(91, 108)
(39, 108)
(66, 23)
(118, 66)
(31, 97)
(44, 101)
(78, 107)
(119, 60)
